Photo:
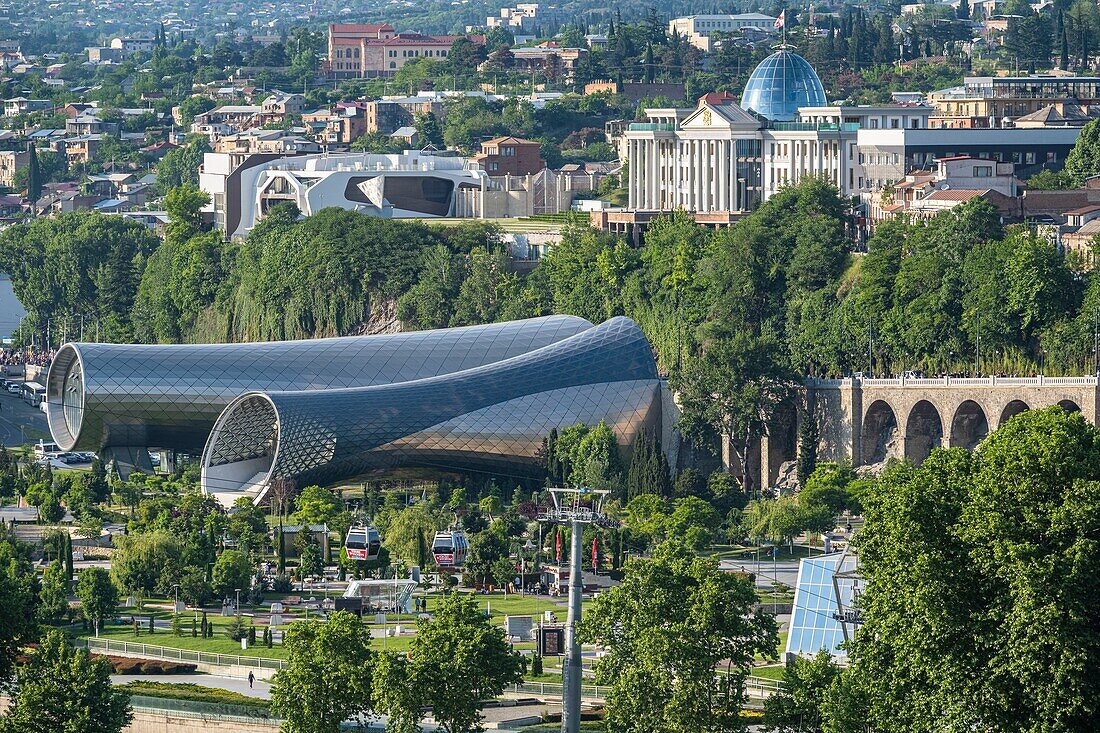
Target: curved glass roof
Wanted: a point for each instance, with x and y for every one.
(781, 84)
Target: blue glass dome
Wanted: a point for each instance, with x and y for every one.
(781, 84)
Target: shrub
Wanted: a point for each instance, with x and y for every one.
(282, 584)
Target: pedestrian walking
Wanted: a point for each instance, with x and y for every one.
(251, 679)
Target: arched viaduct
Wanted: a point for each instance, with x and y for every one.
(867, 421)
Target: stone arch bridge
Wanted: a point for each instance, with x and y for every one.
(867, 421)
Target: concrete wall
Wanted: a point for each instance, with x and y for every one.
(158, 721)
(149, 721)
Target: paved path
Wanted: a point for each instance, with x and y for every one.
(259, 689)
(785, 571)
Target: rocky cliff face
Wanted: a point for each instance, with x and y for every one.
(383, 319)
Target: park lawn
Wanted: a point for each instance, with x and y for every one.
(748, 554)
(220, 644)
(771, 672)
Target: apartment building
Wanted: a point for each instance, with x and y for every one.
(368, 50)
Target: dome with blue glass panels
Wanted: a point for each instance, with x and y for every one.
(781, 84)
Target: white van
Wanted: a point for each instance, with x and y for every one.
(44, 448)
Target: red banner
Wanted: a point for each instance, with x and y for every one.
(595, 555)
(557, 544)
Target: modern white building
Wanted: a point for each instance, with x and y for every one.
(413, 184)
(726, 157)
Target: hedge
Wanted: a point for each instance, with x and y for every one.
(194, 693)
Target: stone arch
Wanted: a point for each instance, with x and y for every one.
(1069, 405)
(1011, 410)
(880, 433)
(782, 440)
(969, 426)
(923, 432)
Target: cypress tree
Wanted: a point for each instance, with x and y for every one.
(1063, 56)
(807, 441)
(280, 548)
(664, 472)
(636, 478)
(68, 556)
(34, 175)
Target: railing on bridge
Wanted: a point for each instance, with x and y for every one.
(152, 651)
(949, 382)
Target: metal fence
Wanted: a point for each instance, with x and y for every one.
(152, 651)
(754, 686)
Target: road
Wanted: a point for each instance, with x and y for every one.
(19, 422)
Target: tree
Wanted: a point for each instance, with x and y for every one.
(409, 530)
(668, 625)
(732, 392)
(428, 130)
(316, 505)
(1084, 160)
(996, 542)
(68, 556)
(180, 166)
(34, 175)
(98, 595)
(147, 561)
(232, 571)
(457, 659)
(486, 548)
(328, 677)
(65, 689)
(826, 489)
(17, 601)
(54, 596)
(799, 706)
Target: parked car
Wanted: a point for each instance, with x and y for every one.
(15, 387)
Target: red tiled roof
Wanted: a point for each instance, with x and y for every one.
(1084, 210)
(955, 194)
(717, 98)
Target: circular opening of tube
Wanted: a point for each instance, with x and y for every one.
(65, 397)
(241, 449)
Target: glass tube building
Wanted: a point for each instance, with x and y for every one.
(122, 399)
(492, 417)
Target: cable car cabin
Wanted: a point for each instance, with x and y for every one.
(449, 548)
(363, 543)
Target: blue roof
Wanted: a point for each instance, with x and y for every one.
(781, 84)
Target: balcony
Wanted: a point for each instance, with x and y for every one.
(814, 126)
(652, 127)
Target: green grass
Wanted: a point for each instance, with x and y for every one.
(772, 672)
(195, 693)
(747, 553)
(220, 644)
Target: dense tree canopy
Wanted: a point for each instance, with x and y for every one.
(670, 623)
(1002, 635)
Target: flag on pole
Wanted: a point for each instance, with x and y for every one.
(781, 21)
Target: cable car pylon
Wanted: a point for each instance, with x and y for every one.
(574, 507)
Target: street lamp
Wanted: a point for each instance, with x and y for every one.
(176, 607)
(238, 591)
